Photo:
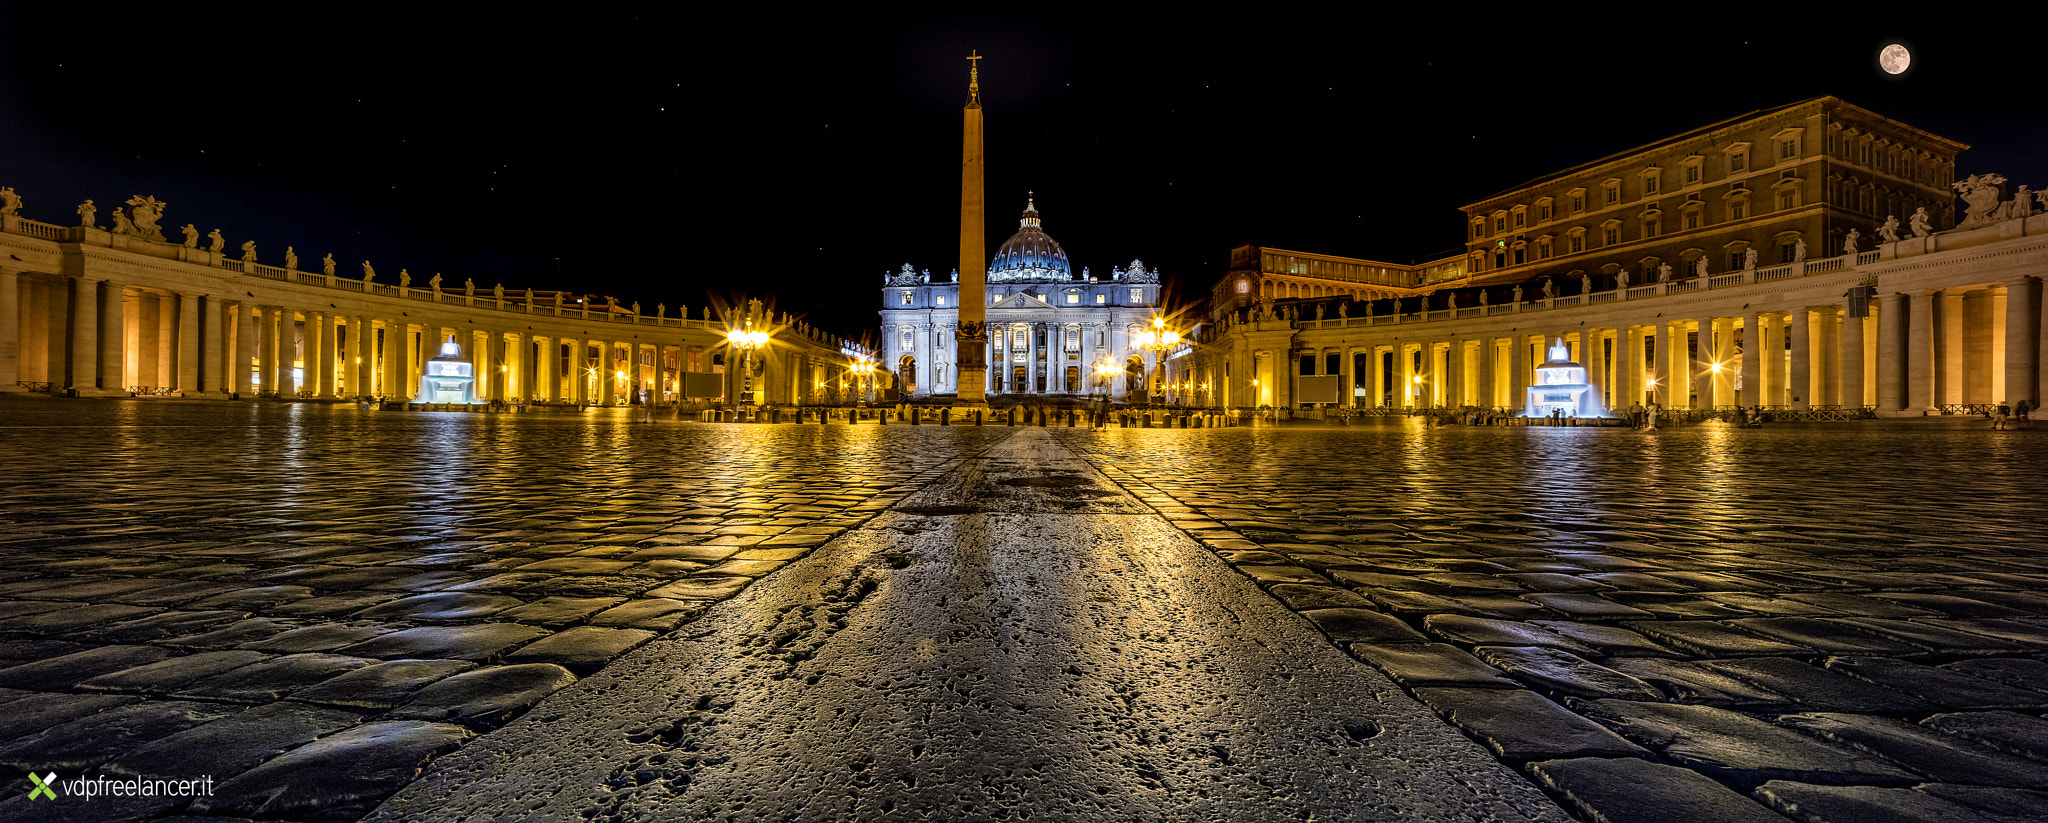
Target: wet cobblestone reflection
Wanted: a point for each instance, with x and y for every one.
(1840, 619)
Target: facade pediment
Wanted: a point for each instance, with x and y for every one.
(1022, 301)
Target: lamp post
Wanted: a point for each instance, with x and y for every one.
(1158, 341)
(746, 339)
(863, 371)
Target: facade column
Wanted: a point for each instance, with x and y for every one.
(1920, 351)
(287, 353)
(113, 339)
(167, 340)
(2022, 342)
(1378, 395)
(10, 330)
(1519, 372)
(579, 374)
(1799, 386)
(1891, 352)
(1950, 373)
(1856, 378)
(58, 331)
(186, 378)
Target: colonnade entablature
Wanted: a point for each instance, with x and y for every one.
(1939, 323)
(89, 311)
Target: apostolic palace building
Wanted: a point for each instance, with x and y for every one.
(1804, 257)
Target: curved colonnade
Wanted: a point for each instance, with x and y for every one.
(1952, 319)
(88, 312)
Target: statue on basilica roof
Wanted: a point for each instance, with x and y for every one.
(1920, 222)
(1889, 232)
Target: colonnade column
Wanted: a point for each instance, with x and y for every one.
(212, 369)
(1920, 351)
(1593, 345)
(388, 366)
(112, 338)
(185, 377)
(240, 378)
(10, 330)
(1827, 356)
(1518, 373)
(329, 342)
(1669, 363)
(1628, 368)
(1799, 386)
(1454, 373)
(1950, 386)
(1350, 390)
(546, 369)
(1856, 379)
(287, 353)
(1891, 352)
(1754, 392)
(1485, 396)
(2022, 343)
(1404, 369)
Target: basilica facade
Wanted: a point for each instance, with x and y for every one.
(1051, 331)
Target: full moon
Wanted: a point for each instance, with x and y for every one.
(1894, 59)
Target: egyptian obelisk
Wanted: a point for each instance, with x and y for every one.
(972, 336)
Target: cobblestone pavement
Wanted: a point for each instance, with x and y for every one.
(307, 603)
(1823, 623)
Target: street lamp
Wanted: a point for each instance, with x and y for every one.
(863, 369)
(746, 339)
(1158, 341)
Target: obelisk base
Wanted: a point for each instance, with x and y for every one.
(973, 388)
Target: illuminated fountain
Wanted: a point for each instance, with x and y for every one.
(449, 378)
(1561, 386)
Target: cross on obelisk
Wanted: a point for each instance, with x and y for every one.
(972, 336)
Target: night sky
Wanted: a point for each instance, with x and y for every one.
(678, 155)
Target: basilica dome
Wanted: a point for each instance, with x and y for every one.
(1030, 254)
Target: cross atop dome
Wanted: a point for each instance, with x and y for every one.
(973, 80)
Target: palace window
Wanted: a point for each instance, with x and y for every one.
(1788, 149)
(1787, 249)
(1073, 298)
(1543, 249)
(1520, 249)
(1543, 210)
(1738, 159)
(1577, 241)
(1738, 209)
(1500, 222)
(1652, 227)
(906, 298)
(1610, 234)
(1578, 200)
(1478, 229)
(1521, 216)
(1692, 169)
(1787, 198)
(1613, 190)
(1102, 299)
(1137, 295)
(1650, 180)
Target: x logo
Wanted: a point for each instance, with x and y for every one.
(42, 786)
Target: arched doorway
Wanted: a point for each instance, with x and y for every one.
(906, 374)
(1134, 379)
(1073, 379)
